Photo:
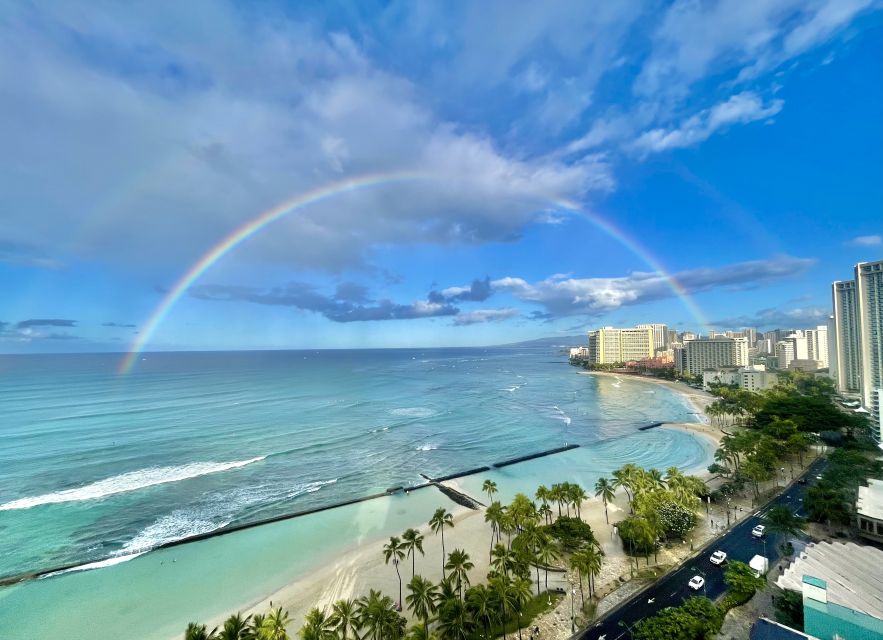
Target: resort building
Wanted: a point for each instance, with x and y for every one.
(842, 590)
(858, 325)
(712, 353)
(785, 353)
(817, 344)
(869, 510)
(846, 336)
(579, 353)
(753, 378)
(660, 335)
(805, 365)
(869, 313)
(832, 348)
(609, 345)
(766, 629)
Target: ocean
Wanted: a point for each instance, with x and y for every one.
(98, 468)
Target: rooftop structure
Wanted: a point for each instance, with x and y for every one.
(766, 629)
(851, 574)
(869, 510)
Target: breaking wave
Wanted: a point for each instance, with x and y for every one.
(131, 481)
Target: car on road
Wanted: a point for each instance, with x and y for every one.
(718, 557)
(818, 477)
(696, 583)
(758, 531)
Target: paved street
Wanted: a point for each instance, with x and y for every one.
(672, 590)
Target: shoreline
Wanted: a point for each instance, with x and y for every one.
(359, 566)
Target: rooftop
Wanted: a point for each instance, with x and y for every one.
(766, 629)
(851, 571)
(870, 500)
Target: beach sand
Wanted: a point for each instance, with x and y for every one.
(362, 567)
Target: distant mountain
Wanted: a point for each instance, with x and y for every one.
(557, 341)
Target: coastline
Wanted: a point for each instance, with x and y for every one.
(360, 566)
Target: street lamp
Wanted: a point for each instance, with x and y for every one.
(572, 618)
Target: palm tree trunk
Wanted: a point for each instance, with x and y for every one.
(400, 583)
(443, 551)
(547, 578)
(606, 517)
(581, 595)
(414, 563)
(538, 578)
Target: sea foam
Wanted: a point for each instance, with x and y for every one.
(131, 481)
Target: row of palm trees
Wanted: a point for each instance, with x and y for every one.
(255, 627)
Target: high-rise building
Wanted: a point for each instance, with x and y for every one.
(712, 353)
(817, 344)
(751, 334)
(869, 315)
(832, 348)
(785, 353)
(660, 335)
(609, 345)
(846, 336)
(858, 329)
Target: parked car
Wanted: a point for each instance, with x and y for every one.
(718, 557)
(758, 531)
(801, 481)
(696, 583)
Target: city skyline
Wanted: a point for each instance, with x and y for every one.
(393, 175)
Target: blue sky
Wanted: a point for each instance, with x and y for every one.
(737, 144)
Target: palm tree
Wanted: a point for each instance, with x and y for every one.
(520, 595)
(624, 478)
(418, 632)
(413, 542)
(607, 493)
(781, 519)
(578, 564)
(454, 621)
(421, 599)
(198, 632)
(316, 626)
(546, 512)
(345, 618)
(272, 627)
(490, 488)
(579, 496)
(395, 551)
(503, 599)
(542, 494)
(654, 476)
(503, 560)
(547, 553)
(441, 519)
(458, 564)
(380, 619)
(235, 628)
(494, 515)
(480, 601)
(592, 565)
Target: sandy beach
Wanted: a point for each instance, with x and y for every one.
(362, 567)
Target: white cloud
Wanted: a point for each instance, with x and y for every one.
(867, 241)
(738, 109)
(158, 147)
(563, 295)
(485, 315)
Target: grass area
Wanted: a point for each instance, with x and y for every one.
(537, 606)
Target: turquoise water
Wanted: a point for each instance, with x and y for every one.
(96, 468)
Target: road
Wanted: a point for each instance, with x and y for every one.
(672, 589)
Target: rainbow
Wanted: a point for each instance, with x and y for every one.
(331, 190)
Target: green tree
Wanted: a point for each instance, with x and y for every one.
(454, 621)
(780, 519)
(742, 580)
(480, 601)
(459, 565)
(490, 488)
(235, 628)
(413, 542)
(378, 617)
(273, 626)
(198, 632)
(317, 626)
(789, 609)
(547, 553)
(345, 618)
(441, 519)
(421, 599)
(395, 551)
(696, 619)
(607, 492)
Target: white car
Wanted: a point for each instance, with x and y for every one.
(758, 531)
(718, 557)
(696, 583)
